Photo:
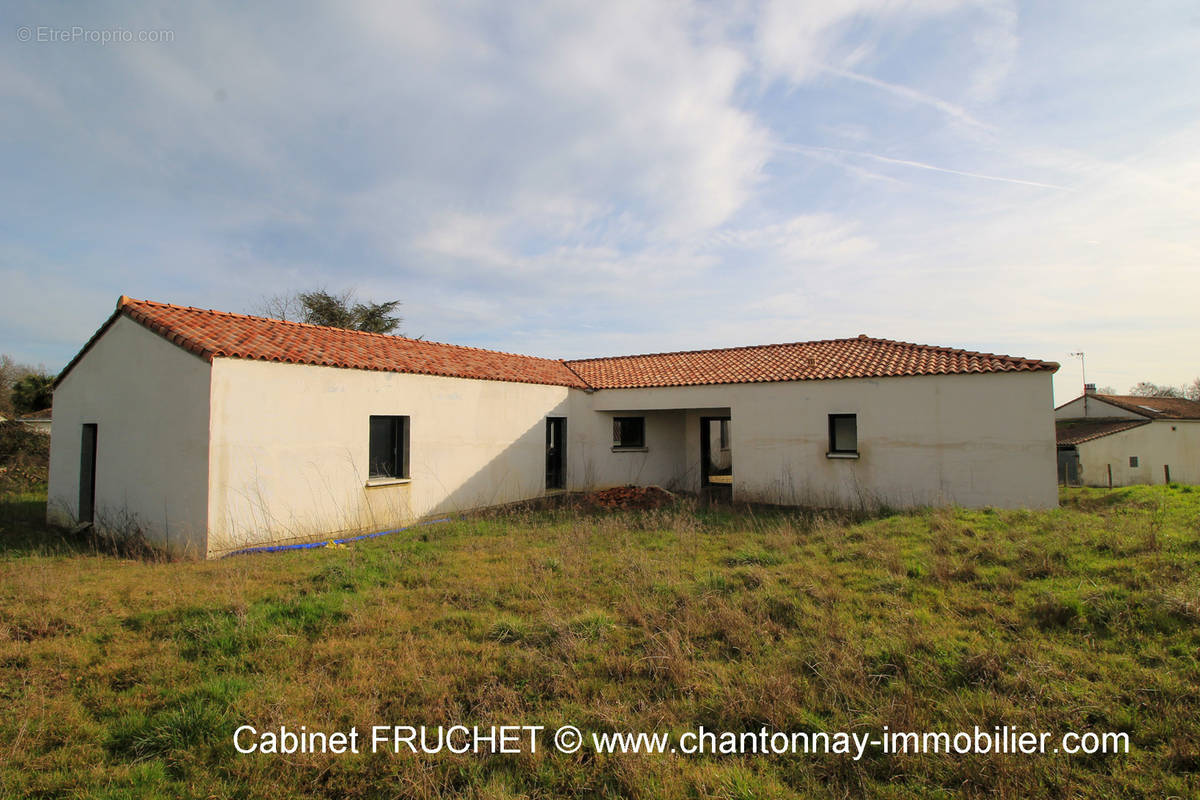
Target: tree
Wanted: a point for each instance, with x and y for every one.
(32, 393)
(1192, 390)
(320, 307)
(10, 372)
(377, 317)
(1148, 389)
(279, 306)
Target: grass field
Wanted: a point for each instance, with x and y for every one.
(127, 678)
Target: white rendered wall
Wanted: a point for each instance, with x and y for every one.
(593, 462)
(1094, 408)
(149, 399)
(1175, 443)
(975, 440)
(290, 448)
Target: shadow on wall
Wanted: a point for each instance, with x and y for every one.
(517, 472)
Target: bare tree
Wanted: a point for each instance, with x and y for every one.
(1192, 390)
(279, 306)
(1148, 389)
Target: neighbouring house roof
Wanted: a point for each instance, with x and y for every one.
(1078, 431)
(36, 416)
(219, 334)
(860, 357)
(1153, 407)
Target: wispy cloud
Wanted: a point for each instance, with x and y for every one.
(815, 149)
(951, 110)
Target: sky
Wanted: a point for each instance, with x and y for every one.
(582, 179)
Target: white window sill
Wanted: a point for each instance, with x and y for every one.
(851, 456)
(371, 484)
(617, 449)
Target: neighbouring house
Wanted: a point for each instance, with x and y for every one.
(38, 421)
(210, 431)
(1120, 440)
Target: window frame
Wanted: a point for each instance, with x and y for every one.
(620, 443)
(401, 425)
(834, 451)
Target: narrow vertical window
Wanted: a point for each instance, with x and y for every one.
(388, 448)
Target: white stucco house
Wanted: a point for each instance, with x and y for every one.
(1121, 440)
(211, 431)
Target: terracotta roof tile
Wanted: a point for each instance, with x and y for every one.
(861, 357)
(1078, 431)
(215, 334)
(1154, 407)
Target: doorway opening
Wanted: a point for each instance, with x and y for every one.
(1068, 465)
(556, 450)
(87, 474)
(716, 458)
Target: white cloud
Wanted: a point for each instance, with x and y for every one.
(799, 40)
(582, 178)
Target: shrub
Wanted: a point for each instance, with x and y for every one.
(24, 458)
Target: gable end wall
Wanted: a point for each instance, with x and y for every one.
(150, 401)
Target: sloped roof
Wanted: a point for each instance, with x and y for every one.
(1078, 431)
(34, 416)
(1154, 407)
(219, 334)
(860, 357)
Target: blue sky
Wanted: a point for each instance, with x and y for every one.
(578, 179)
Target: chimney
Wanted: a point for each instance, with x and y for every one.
(1089, 388)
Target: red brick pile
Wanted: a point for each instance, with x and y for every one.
(629, 498)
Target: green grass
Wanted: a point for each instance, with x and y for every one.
(122, 677)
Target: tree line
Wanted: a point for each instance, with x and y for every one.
(1189, 391)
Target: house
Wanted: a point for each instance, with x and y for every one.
(38, 421)
(1120, 440)
(210, 431)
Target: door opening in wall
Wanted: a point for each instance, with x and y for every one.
(716, 456)
(556, 450)
(1068, 465)
(87, 473)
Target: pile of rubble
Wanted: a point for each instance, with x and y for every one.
(629, 498)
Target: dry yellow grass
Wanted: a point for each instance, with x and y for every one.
(127, 678)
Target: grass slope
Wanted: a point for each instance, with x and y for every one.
(123, 678)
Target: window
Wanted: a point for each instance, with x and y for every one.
(389, 448)
(629, 431)
(843, 434)
(1133, 461)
